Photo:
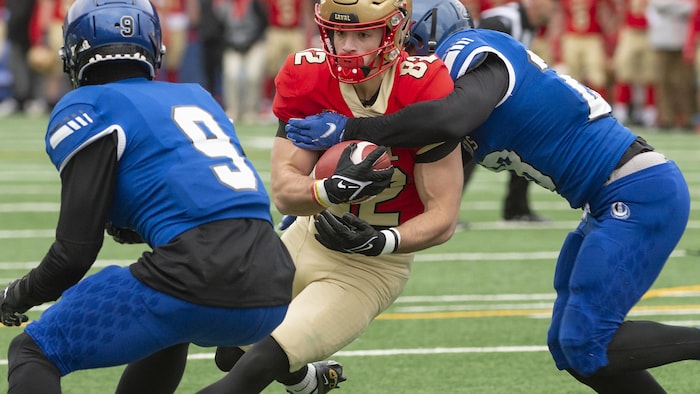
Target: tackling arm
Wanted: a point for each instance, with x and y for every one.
(88, 183)
(475, 95)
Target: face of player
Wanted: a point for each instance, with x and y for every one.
(358, 43)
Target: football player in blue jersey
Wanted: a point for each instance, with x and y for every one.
(160, 162)
(513, 112)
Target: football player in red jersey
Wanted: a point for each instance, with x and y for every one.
(290, 27)
(634, 66)
(341, 287)
(583, 41)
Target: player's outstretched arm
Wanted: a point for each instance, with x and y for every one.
(87, 186)
(317, 132)
(453, 117)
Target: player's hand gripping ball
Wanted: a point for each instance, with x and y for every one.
(352, 172)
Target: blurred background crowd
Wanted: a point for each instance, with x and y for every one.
(641, 55)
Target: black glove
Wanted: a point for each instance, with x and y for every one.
(123, 235)
(351, 234)
(11, 308)
(353, 183)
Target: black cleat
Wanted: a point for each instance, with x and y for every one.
(329, 374)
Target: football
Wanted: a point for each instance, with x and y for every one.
(327, 163)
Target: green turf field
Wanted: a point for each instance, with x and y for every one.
(473, 318)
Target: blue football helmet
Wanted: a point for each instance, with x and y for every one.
(95, 31)
(433, 20)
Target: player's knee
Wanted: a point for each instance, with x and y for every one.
(582, 340)
(556, 351)
(583, 353)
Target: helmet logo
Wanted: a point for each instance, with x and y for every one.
(344, 18)
(620, 210)
(127, 26)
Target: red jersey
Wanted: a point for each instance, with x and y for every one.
(581, 16)
(635, 14)
(306, 87)
(167, 7)
(486, 4)
(285, 13)
(61, 9)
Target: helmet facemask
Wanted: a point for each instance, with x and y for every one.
(333, 16)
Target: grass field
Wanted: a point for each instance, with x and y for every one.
(473, 318)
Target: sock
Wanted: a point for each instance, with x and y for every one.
(621, 112)
(649, 116)
(307, 385)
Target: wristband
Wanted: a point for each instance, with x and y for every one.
(392, 239)
(318, 193)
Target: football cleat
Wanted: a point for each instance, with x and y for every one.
(329, 374)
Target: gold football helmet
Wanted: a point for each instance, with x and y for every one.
(359, 15)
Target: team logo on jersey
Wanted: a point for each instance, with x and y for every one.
(620, 210)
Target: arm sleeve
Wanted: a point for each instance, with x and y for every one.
(87, 186)
(496, 24)
(475, 95)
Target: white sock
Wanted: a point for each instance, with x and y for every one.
(649, 116)
(307, 385)
(621, 112)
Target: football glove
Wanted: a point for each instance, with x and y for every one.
(351, 234)
(11, 308)
(123, 235)
(317, 132)
(352, 183)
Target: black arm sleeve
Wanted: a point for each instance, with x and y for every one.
(87, 188)
(475, 95)
(495, 23)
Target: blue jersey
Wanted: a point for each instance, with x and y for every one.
(202, 176)
(528, 132)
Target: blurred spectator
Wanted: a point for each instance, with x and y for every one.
(210, 30)
(26, 83)
(243, 24)
(5, 76)
(542, 45)
(675, 96)
(290, 27)
(46, 38)
(691, 55)
(583, 41)
(476, 7)
(634, 67)
(522, 20)
(176, 18)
